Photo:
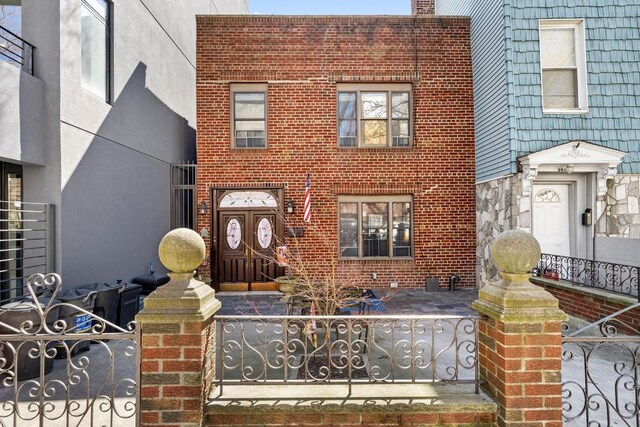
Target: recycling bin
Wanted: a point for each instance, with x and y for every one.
(76, 321)
(106, 302)
(14, 314)
(129, 304)
(150, 282)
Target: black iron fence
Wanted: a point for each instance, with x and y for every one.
(617, 278)
(349, 350)
(16, 50)
(183, 196)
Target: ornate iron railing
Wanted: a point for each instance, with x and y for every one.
(616, 278)
(601, 374)
(65, 370)
(346, 349)
(16, 50)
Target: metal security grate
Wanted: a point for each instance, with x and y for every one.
(26, 244)
(183, 196)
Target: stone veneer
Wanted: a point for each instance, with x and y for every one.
(620, 214)
(501, 206)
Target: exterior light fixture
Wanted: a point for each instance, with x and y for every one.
(291, 207)
(202, 208)
(568, 169)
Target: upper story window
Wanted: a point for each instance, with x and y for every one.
(249, 116)
(564, 70)
(96, 47)
(374, 115)
(375, 227)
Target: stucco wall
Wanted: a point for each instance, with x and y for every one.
(107, 164)
(21, 116)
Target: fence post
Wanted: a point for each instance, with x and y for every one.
(178, 337)
(520, 339)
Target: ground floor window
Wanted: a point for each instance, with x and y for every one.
(378, 226)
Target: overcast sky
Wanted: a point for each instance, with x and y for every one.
(330, 7)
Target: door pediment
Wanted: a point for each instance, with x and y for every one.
(572, 157)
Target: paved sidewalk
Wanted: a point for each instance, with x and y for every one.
(406, 301)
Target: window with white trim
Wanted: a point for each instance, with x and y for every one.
(374, 115)
(249, 116)
(375, 227)
(563, 65)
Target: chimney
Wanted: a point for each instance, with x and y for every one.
(423, 7)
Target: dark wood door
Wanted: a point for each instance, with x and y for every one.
(263, 267)
(247, 241)
(233, 258)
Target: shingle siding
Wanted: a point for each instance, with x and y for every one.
(613, 64)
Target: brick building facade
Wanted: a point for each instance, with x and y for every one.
(378, 110)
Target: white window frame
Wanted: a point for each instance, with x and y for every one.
(249, 88)
(390, 199)
(578, 26)
(389, 89)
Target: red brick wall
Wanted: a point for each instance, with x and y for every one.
(302, 59)
(591, 308)
(423, 7)
(350, 418)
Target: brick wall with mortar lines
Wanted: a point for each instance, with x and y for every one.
(591, 308)
(351, 418)
(178, 368)
(302, 59)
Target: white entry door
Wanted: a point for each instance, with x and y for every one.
(551, 219)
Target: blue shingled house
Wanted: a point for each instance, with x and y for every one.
(557, 104)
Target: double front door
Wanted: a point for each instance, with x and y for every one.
(246, 242)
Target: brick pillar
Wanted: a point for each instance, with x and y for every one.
(423, 7)
(520, 341)
(178, 338)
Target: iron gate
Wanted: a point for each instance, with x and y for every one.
(71, 371)
(601, 374)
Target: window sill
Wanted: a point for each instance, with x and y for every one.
(579, 111)
(382, 149)
(381, 260)
(248, 150)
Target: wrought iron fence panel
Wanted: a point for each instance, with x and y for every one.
(346, 349)
(600, 375)
(60, 372)
(616, 278)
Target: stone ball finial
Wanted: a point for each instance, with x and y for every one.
(182, 250)
(515, 252)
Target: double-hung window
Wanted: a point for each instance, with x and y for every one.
(95, 51)
(374, 115)
(249, 116)
(563, 63)
(375, 227)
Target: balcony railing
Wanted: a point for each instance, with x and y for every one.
(16, 50)
(616, 278)
(26, 244)
(350, 350)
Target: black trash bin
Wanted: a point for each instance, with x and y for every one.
(106, 303)
(76, 321)
(129, 304)
(15, 314)
(150, 282)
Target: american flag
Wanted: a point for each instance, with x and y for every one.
(307, 199)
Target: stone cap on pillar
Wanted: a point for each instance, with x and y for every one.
(513, 298)
(183, 299)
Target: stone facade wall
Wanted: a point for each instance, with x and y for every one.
(494, 214)
(620, 216)
(302, 59)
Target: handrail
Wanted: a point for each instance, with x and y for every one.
(21, 53)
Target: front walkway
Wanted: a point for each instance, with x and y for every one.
(405, 301)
